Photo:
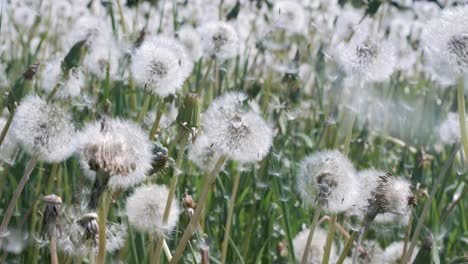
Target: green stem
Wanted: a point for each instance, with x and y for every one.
(144, 109)
(103, 209)
(305, 257)
(194, 220)
(462, 115)
(227, 230)
(346, 248)
(159, 112)
(16, 195)
(6, 128)
(427, 205)
(329, 242)
(349, 132)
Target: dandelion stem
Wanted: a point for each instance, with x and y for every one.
(16, 195)
(144, 109)
(166, 250)
(194, 220)
(427, 205)
(157, 118)
(217, 88)
(103, 209)
(172, 189)
(329, 242)
(346, 248)
(349, 131)
(312, 227)
(462, 114)
(360, 236)
(6, 128)
(53, 250)
(227, 230)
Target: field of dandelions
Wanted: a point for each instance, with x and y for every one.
(233, 131)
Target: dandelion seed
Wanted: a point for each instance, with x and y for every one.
(329, 178)
(219, 39)
(145, 210)
(44, 129)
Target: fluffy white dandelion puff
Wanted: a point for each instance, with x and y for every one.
(118, 147)
(190, 38)
(157, 68)
(8, 149)
(44, 129)
(219, 39)
(329, 178)
(202, 152)
(449, 129)
(393, 195)
(371, 62)
(235, 131)
(445, 41)
(316, 249)
(288, 15)
(393, 252)
(145, 210)
(69, 86)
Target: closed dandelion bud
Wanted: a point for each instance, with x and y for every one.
(235, 131)
(329, 178)
(145, 210)
(22, 87)
(316, 247)
(44, 129)
(89, 223)
(189, 112)
(75, 56)
(115, 153)
(219, 39)
(51, 216)
(160, 159)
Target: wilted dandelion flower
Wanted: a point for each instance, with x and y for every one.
(371, 62)
(329, 178)
(202, 152)
(190, 38)
(157, 68)
(449, 129)
(392, 195)
(145, 210)
(393, 253)
(445, 41)
(316, 249)
(80, 234)
(119, 148)
(288, 15)
(234, 131)
(219, 39)
(44, 129)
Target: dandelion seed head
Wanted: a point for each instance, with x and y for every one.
(288, 15)
(316, 249)
(202, 152)
(103, 54)
(15, 242)
(328, 178)
(393, 195)
(393, 252)
(8, 149)
(190, 38)
(118, 147)
(69, 86)
(445, 41)
(44, 129)
(219, 39)
(369, 181)
(157, 68)
(371, 62)
(449, 129)
(145, 210)
(234, 131)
